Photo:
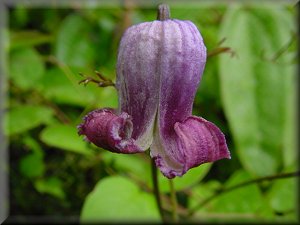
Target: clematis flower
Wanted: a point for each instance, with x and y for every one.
(159, 69)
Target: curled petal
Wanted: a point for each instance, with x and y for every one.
(201, 140)
(194, 142)
(107, 130)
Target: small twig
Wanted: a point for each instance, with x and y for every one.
(173, 202)
(279, 53)
(59, 113)
(156, 189)
(220, 50)
(284, 48)
(102, 82)
(225, 190)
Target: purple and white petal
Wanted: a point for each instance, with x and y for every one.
(183, 57)
(138, 78)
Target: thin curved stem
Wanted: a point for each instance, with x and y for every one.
(156, 189)
(173, 202)
(163, 12)
(257, 180)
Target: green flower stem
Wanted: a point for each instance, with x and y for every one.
(156, 190)
(173, 201)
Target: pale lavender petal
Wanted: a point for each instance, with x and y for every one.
(138, 71)
(107, 130)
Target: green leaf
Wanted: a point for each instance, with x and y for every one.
(290, 126)
(117, 199)
(22, 118)
(283, 195)
(139, 166)
(134, 164)
(254, 87)
(51, 185)
(65, 137)
(74, 45)
(33, 145)
(60, 88)
(201, 192)
(20, 16)
(246, 199)
(26, 68)
(32, 165)
(192, 177)
(242, 204)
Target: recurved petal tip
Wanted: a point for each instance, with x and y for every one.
(197, 141)
(201, 141)
(109, 131)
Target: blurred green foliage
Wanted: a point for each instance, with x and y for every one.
(248, 92)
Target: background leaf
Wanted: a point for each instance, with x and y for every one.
(242, 203)
(24, 117)
(63, 88)
(26, 67)
(51, 185)
(118, 199)
(65, 137)
(71, 50)
(32, 165)
(282, 196)
(192, 177)
(254, 87)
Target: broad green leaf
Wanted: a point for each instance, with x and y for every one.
(56, 86)
(65, 137)
(117, 199)
(51, 185)
(254, 88)
(243, 200)
(22, 118)
(32, 165)
(134, 164)
(283, 195)
(26, 68)
(192, 177)
(74, 46)
(246, 199)
(242, 204)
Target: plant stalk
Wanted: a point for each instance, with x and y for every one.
(156, 190)
(173, 202)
